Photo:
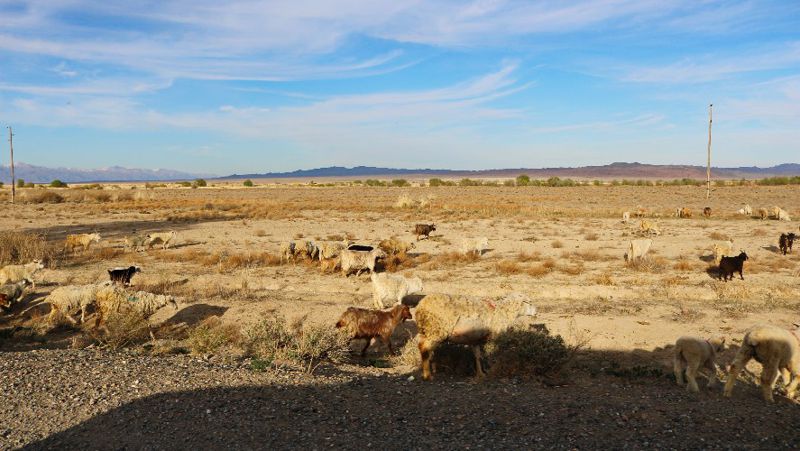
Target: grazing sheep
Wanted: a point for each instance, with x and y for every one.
(114, 299)
(367, 324)
(780, 214)
(287, 250)
(388, 289)
(358, 261)
(747, 210)
(83, 239)
(305, 249)
(777, 349)
(475, 246)
(721, 249)
(684, 213)
(649, 228)
(466, 321)
(707, 212)
(762, 213)
(394, 246)
(693, 353)
(135, 243)
(626, 217)
(18, 273)
(11, 293)
(329, 264)
(165, 238)
(730, 265)
(331, 249)
(637, 249)
(786, 241)
(641, 212)
(69, 299)
(424, 230)
(122, 276)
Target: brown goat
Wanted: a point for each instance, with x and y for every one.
(707, 212)
(368, 324)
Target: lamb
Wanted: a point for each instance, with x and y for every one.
(466, 321)
(122, 276)
(722, 249)
(474, 246)
(424, 230)
(780, 214)
(626, 217)
(637, 249)
(368, 324)
(135, 243)
(747, 210)
(707, 212)
(388, 289)
(762, 213)
(18, 273)
(83, 239)
(11, 293)
(777, 349)
(684, 212)
(287, 250)
(693, 353)
(394, 246)
(786, 241)
(649, 228)
(730, 265)
(165, 238)
(359, 260)
(69, 299)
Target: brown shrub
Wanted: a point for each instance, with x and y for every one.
(508, 267)
(526, 257)
(212, 334)
(43, 197)
(23, 247)
(556, 244)
(591, 237)
(719, 236)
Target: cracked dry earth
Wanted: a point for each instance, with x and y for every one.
(89, 399)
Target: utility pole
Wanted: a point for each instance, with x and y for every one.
(708, 165)
(13, 179)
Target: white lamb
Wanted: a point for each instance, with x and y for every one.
(18, 273)
(722, 249)
(359, 260)
(693, 354)
(747, 210)
(637, 249)
(165, 238)
(475, 246)
(390, 289)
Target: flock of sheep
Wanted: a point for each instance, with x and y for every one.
(440, 318)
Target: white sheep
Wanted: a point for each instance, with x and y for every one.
(637, 249)
(18, 273)
(287, 250)
(722, 249)
(475, 246)
(747, 210)
(626, 217)
(359, 260)
(389, 289)
(114, 299)
(135, 243)
(467, 321)
(778, 350)
(165, 238)
(82, 239)
(780, 214)
(694, 353)
(70, 299)
(330, 249)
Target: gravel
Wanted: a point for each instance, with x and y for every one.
(90, 399)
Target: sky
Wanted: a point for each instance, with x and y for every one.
(246, 86)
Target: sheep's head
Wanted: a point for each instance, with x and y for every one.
(37, 264)
(95, 237)
(717, 343)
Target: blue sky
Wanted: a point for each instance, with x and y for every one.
(256, 86)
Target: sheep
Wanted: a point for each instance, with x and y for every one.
(394, 246)
(466, 321)
(762, 213)
(747, 210)
(18, 273)
(641, 212)
(649, 228)
(135, 243)
(287, 250)
(424, 230)
(721, 249)
(122, 276)
(693, 353)
(115, 299)
(83, 239)
(684, 213)
(329, 264)
(626, 217)
(390, 288)
(786, 241)
(777, 349)
(331, 249)
(475, 246)
(637, 249)
(305, 249)
(368, 324)
(69, 299)
(164, 237)
(11, 293)
(707, 212)
(359, 260)
(730, 265)
(780, 214)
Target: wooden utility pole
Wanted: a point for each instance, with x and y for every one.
(13, 179)
(708, 165)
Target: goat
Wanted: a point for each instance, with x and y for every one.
(368, 324)
(707, 212)
(424, 230)
(730, 265)
(122, 276)
(786, 241)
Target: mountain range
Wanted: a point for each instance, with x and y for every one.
(41, 174)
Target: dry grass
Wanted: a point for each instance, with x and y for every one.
(223, 261)
(603, 279)
(556, 244)
(211, 335)
(508, 267)
(22, 247)
(527, 257)
(591, 237)
(122, 329)
(648, 264)
(719, 236)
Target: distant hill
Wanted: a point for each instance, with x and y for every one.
(609, 171)
(41, 174)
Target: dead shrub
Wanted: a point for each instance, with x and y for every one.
(683, 264)
(572, 270)
(527, 353)
(719, 236)
(23, 247)
(603, 279)
(42, 197)
(508, 267)
(556, 244)
(124, 328)
(526, 257)
(648, 264)
(591, 237)
(211, 335)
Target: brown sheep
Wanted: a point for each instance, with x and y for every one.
(368, 324)
(763, 213)
(684, 212)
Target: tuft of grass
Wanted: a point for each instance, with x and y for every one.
(43, 197)
(719, 236)
(556, 244)
(24, 247)
(527, 353)
(508, 267)
(648, 264)
(211, 335)
(124, 328)
(603, 279)
(591, 237)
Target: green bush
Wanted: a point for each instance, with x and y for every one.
(57, 184)
(20, 183)
(528, 352)
(200, 182)
(400, 182)
(248, 183)
(373, 182)
(523, 180)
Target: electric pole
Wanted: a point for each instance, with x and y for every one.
(13, 179)
(708, 165)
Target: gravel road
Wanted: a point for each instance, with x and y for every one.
(88, 399)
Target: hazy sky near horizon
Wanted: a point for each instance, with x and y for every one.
(258, 86)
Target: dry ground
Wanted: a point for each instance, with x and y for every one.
(562, 246)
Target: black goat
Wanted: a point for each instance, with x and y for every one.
(122, 276)
(730, 265)
(786, 241)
